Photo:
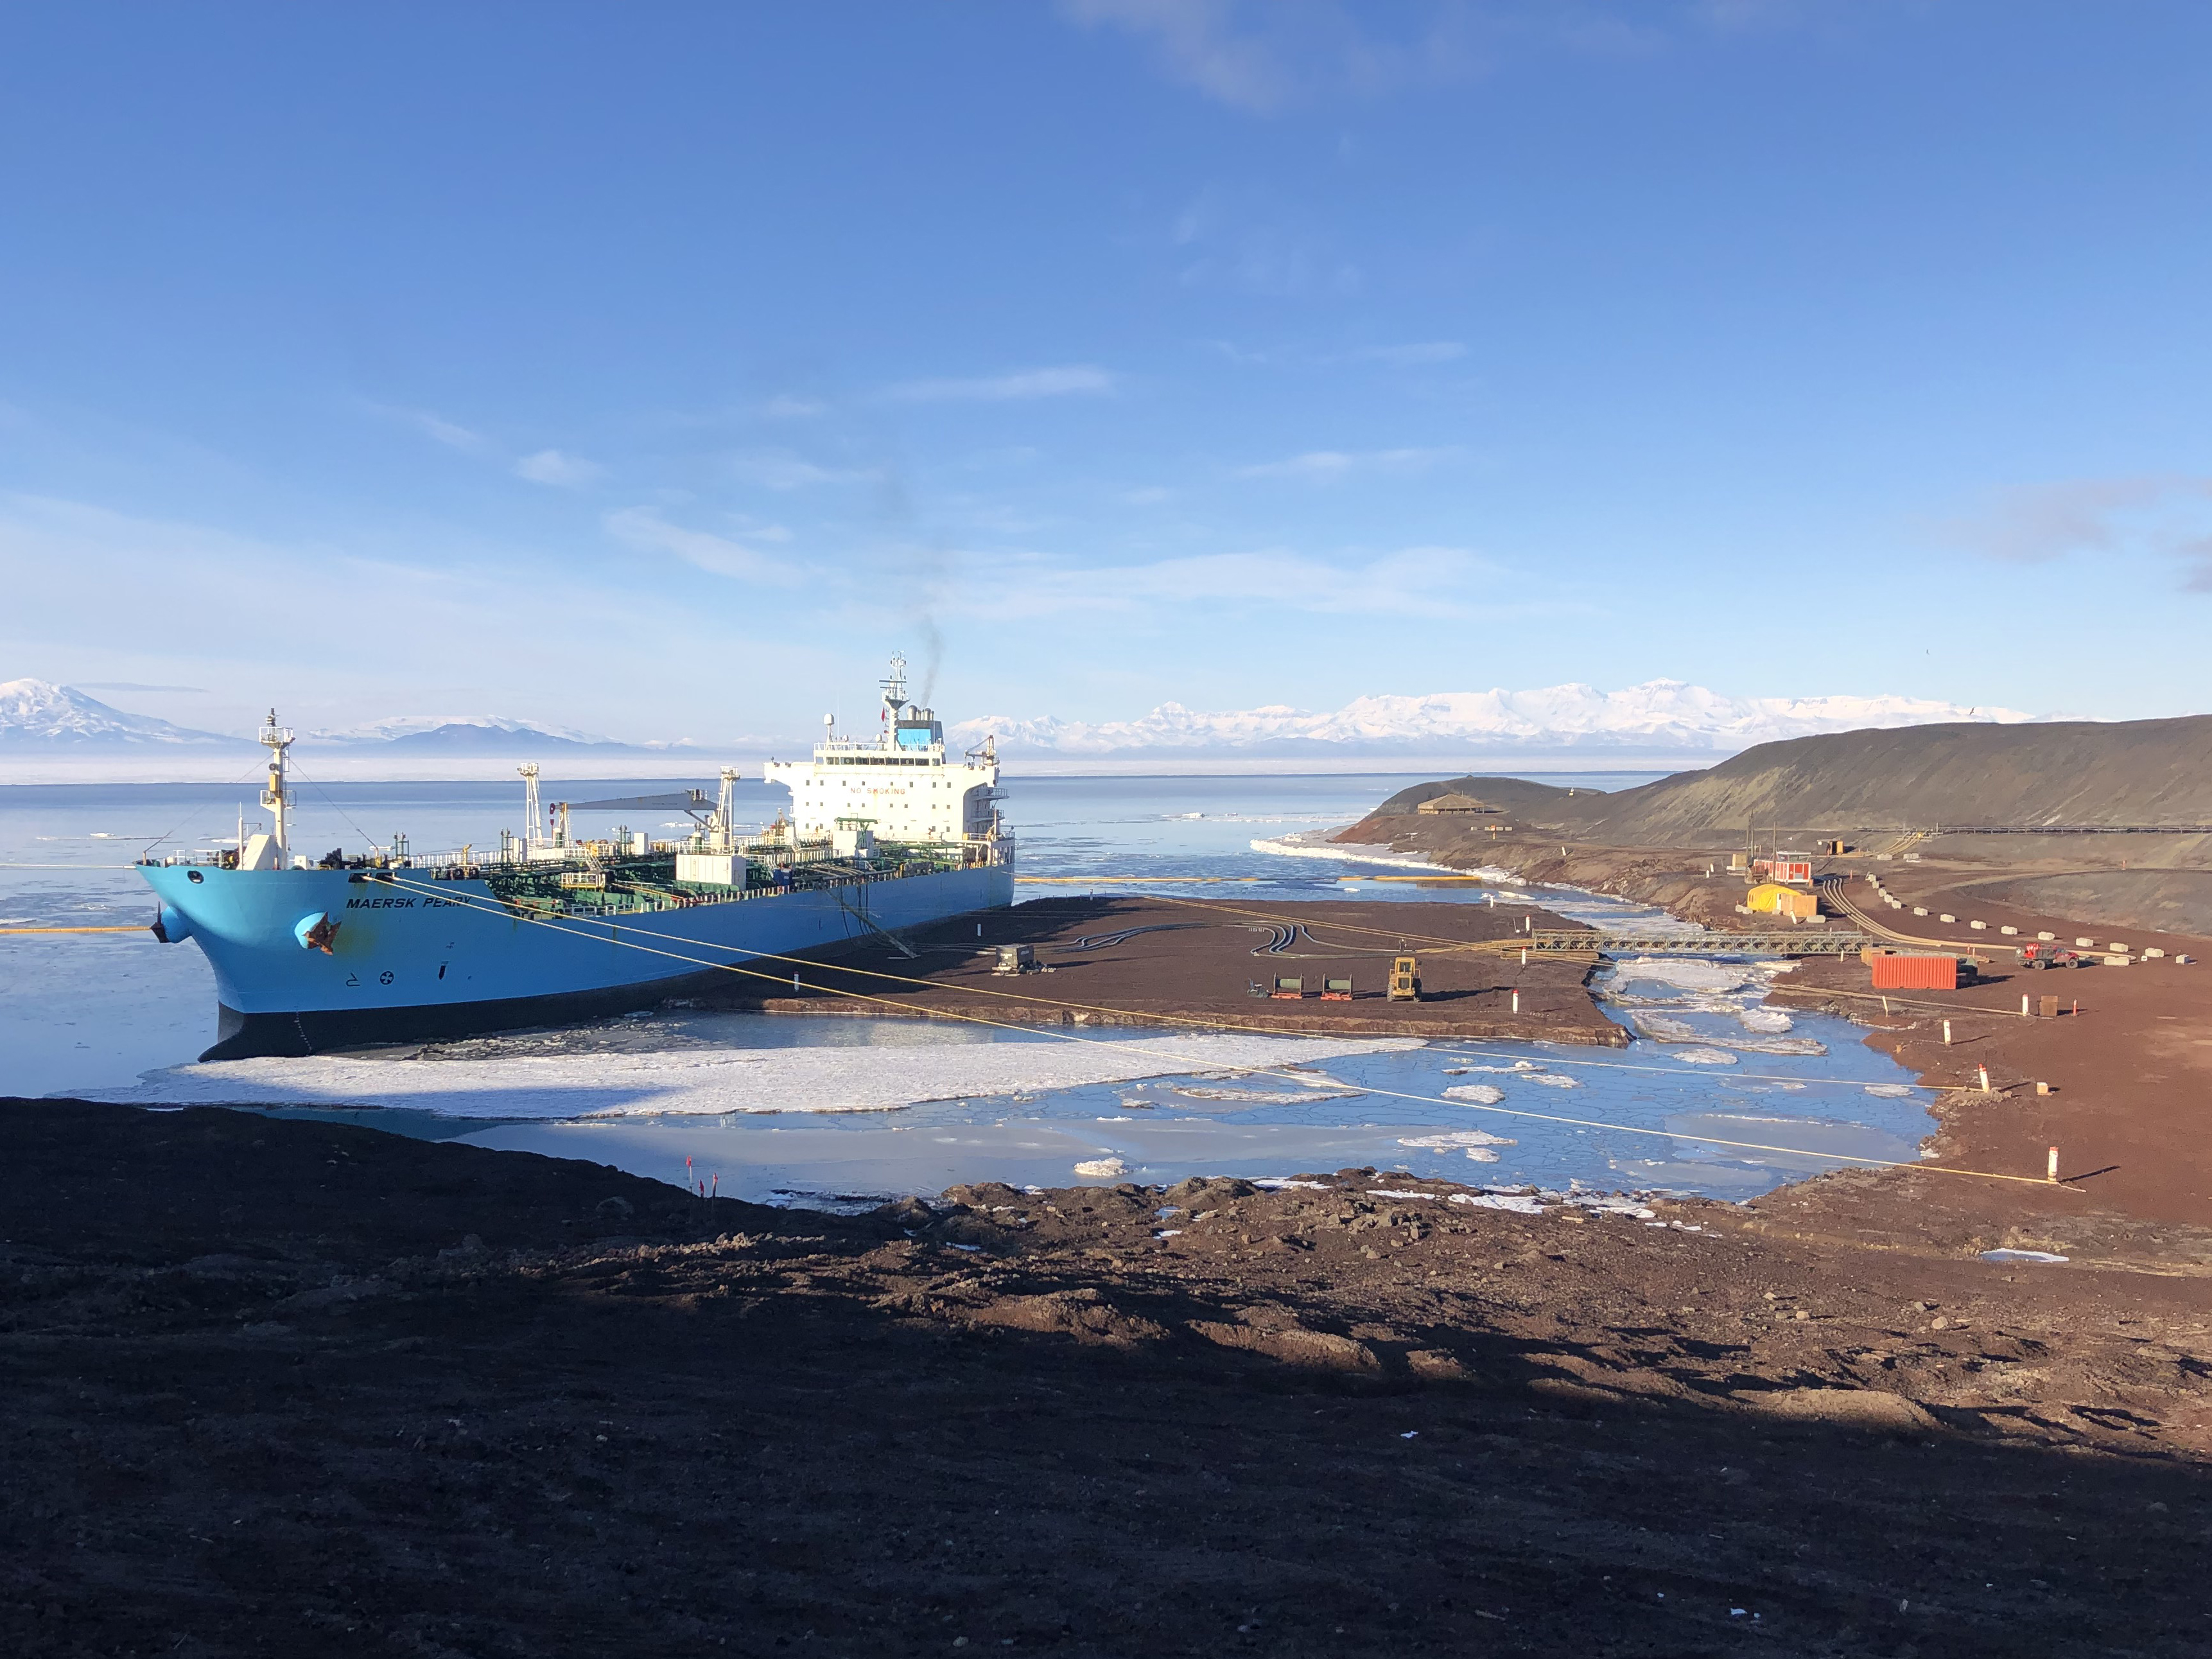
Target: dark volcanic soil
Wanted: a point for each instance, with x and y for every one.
(284, 1387)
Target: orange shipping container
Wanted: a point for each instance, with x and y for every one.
(1903, 973)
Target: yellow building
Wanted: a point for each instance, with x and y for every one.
(1770, 899)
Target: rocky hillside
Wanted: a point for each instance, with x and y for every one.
(2138, 771)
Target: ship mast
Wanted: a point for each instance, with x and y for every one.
(277, 798)
(726, 810)
(894, 685)
(530, 831)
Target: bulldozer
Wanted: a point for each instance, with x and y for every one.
(1405, 980)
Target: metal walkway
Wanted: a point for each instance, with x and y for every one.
(1791, 942)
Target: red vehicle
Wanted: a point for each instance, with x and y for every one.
(2044, 955)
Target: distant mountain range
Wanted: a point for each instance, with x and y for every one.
(1659, 717)
(36, 714)
(471, 734)
(1663, 722)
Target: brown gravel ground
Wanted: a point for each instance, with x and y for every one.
(1148, 961)
(279, 1387)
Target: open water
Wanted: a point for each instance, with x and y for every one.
(846, 1110)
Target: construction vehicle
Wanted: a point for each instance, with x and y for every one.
(2043, 953)
(1405, 980)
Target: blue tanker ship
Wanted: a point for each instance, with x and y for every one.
(885, 834)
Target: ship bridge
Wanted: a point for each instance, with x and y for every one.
(899, 782)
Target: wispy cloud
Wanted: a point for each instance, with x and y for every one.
(1334, 465)
(429, 424)
(645, 530)
(1257, 245)
(2166, 515)
(1428, 582)
(1410, 356)
(134, 685)
(553, 466)
(1268, 55)
(1068, 381)
(780, 469)
(784, 406)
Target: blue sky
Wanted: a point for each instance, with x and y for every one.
(658, 370)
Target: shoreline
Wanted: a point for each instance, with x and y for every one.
(2134, 1179)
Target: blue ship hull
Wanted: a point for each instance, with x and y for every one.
(409, 962)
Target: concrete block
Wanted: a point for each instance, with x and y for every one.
(2153, 952)
(2118, 947)
(2085, 943)
(2118, 960)
(1946, 917)
(2046, 937)
(1920, 910)
(2008, 930)
(1981, 927)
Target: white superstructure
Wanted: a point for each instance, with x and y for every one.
(899, 785)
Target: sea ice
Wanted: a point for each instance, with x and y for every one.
(717, 1080)
(1513, 1201)
(1689, 974)
(1102, 1168)
(1892, 1091)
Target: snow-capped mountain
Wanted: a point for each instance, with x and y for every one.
(478, 731)
(37, 713)
(1660, 715)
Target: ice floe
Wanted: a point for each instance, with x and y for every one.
(1481, 1094)
(1472, 1142)
(1264, 1097)
(1703, 1057)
